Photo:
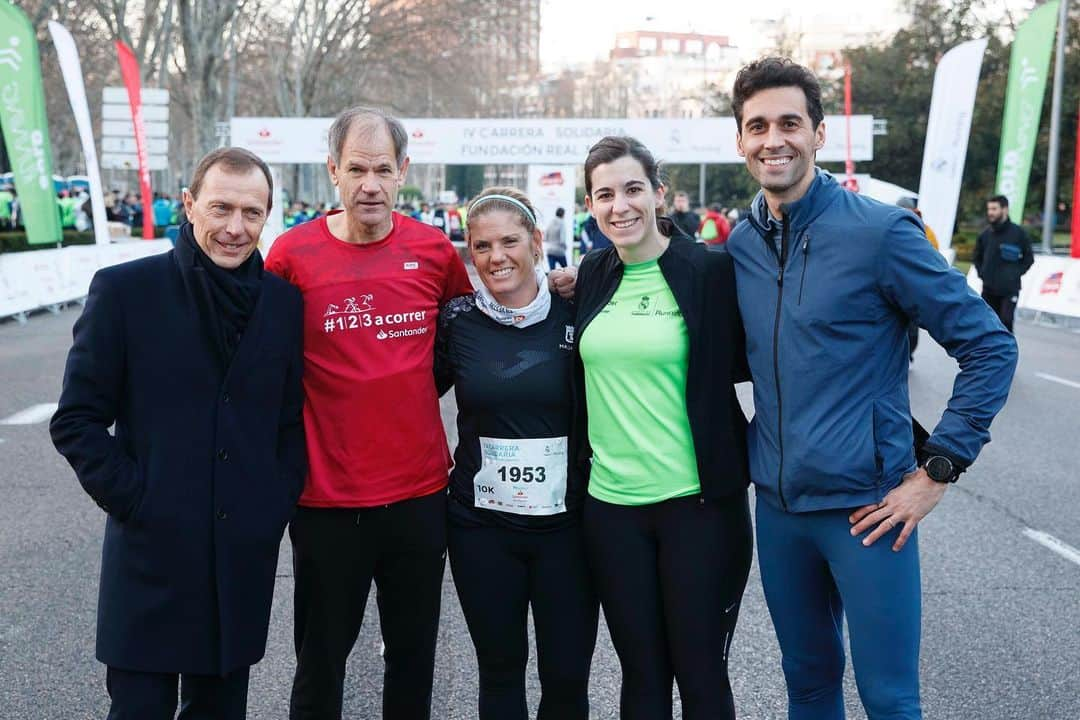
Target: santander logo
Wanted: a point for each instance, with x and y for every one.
(1052, 284)
(553, 178)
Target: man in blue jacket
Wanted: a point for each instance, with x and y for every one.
(827, 283)
(195, 357)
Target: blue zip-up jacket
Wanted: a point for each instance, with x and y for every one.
(827, 345)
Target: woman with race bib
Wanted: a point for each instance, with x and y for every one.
(515, 503)
(666, 521)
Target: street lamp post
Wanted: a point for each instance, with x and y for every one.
(1050, 202)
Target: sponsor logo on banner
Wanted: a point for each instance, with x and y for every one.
(553, 178)
(1052, 284)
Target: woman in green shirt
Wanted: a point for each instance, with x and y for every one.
(666, 521)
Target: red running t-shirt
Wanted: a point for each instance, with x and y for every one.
(374, 433)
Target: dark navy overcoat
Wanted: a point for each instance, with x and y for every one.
(203, 471)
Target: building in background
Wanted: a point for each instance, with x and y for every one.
(647, 74)
(818, 38)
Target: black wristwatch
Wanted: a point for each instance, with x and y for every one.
(941, 469)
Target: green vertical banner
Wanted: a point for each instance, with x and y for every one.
(1028, 68)
(26, 132)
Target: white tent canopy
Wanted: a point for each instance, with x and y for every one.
(882, 191)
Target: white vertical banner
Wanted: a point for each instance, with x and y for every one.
(951, 107)
(552, 187)
(71, 68)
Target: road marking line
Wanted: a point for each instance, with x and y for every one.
(1055, 378)
(31, 415)
(1052, 543)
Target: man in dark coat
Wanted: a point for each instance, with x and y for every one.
(1002, 255)
(196, 356)
(685, 219)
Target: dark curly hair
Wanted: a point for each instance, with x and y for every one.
(774, 72)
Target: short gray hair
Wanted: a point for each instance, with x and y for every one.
(344, 122)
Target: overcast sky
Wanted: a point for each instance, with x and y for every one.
(573, 30)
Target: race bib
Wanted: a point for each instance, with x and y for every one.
(524, 477)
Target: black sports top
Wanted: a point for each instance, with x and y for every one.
(511, 384)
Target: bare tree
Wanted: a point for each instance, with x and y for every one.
(204, 27)
(150, 21)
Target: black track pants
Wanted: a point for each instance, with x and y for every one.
(336, 555)
(1003, 305)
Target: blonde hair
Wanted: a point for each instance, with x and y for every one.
(479, 206)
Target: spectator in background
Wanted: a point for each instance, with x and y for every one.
(591, 236)
(132, 210)
(7, 197)
(16, 210)
(686, 220)
(580, 216)
(112, 207)
(555, 240)
(455, 224)
(84, 212)
(714, 228)
(163, 210)
(440, 219)
(1002, 255)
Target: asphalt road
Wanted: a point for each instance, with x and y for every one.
(1001, 628)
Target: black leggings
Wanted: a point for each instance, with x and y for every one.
(670, 577)
(336, 555)
(499, 572)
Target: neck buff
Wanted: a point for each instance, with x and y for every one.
(533, 313)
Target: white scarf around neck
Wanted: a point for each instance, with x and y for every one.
(533, 313)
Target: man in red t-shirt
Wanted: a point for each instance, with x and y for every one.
(374, 507)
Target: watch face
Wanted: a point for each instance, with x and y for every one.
(939, 469)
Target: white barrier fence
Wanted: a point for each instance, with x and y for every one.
(45, 278)
(1052, 285)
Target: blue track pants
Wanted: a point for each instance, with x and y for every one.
(814, 573)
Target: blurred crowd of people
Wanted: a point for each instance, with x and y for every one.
(77, 213)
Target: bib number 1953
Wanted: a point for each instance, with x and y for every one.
(515, 474)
